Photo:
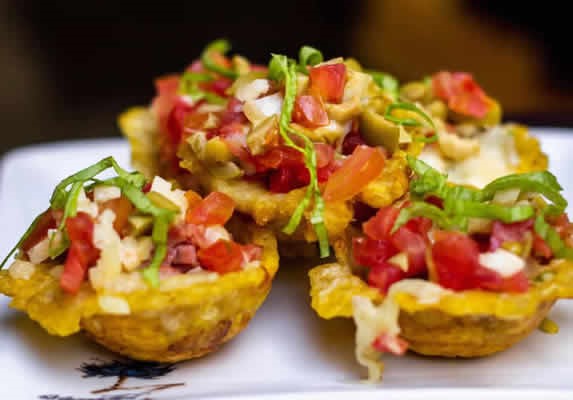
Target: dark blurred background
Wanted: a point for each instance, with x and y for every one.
(68, 67)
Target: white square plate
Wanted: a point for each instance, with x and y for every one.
(286, 353)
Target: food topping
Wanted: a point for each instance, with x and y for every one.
(270, 125)
(124, 229)
(429, 236)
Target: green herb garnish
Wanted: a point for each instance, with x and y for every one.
(189, 86)
(66, 194)
(461, 203)
(220, 46)
(281, 68)
(308, 56)
(407, 121)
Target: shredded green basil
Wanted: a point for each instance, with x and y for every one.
(308, 56)
(24, 237)
(131, 185)
(461, 203)
(221, 46)
(542, 182)
(422, 209)
(407, 121)
(151, 273)
(280, 68)
(189, 86)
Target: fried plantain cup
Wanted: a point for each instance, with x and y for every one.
(181, 312)
(434, 321)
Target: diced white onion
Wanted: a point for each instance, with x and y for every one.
(133, 252)
(176, 196)
(104, 193)
(252, 90)
(86, 205)
(502, 261)
(260, 109)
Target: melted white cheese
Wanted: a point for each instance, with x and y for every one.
(372, 321)
(497, 157)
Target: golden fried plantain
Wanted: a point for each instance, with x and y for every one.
(182, 319)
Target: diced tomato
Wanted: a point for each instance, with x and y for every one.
(392, 344)
(82, 253)
(420, 225)
(215, 209)
(380, 244)
(194, 122)
(455, 257)
(414, 245)
(541, 248)
(177, 118)
(193, 199)
(324, 154)
(384, 276)
(122, 208)
(357, 171)
(166, 88)
(514, 232)
(285, 179)
(372, 253)
(221, 257)
(309, 112)
(490, 280)
(324, 173)
(50, 219)
(380, 226)
(327, 81)
(462, 93)
(218, 86)
(280, 156)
